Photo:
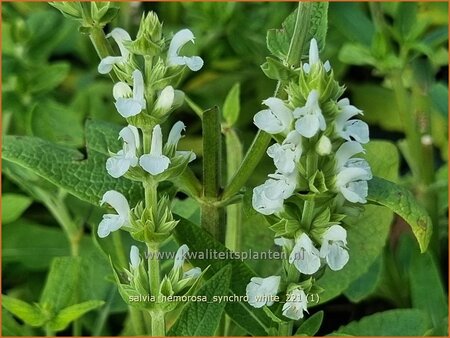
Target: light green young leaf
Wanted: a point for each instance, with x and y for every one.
(356, 54)
(67, 168)
(401, 201)
(254, 321)
(314, 19)
(71, 313)
(61, 286)
(311, 325)
(30, 314)
(232, 105)
(367, 234)
(202, 318)
(404, 322)
(13, 206)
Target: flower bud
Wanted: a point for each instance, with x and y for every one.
(323, 147)
(149, 39)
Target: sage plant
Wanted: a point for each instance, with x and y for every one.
(317, 182)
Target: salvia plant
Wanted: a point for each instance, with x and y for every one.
(327, 202)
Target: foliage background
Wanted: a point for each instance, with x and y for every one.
(50, 87)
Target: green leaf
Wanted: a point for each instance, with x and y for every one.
(46, 78)
(10, 327)
(276, 70)
(61, 287)
(232, 105)
(356, 54)
(313, 18)
(406, 19)
(202, 318)
(254, 321)
(439, 98)
(427, 291)
(351, 20)
(366, 284)
(71, 313)
(402, 202)
(13, 206)
(404, 322)
(30, 314)
(311, 325)
(367, 233)
(67, 168)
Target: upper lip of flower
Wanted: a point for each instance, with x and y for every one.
(119, 35)
(130, 106)
(180, 38)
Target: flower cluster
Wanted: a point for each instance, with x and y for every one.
(144, 157)
(317, 137)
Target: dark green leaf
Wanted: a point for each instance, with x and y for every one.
(406, 19)
(202, 318)
(404, 322)
(366, 284)
(439, 98)
(311, 325)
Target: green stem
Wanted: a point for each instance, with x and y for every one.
(102, 46)
(49, 332)
(211, 215)
(285, 329)
(158, 324)
(136, 320)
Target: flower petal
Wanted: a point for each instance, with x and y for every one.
(109, 224)
(347, 150)
(118, 201)
(165, 100)
(117, 166)
(128, 107)
(180, 256)
(154, 164)
(121, 89)
(307, 126)
(135, 260)
(106, 64)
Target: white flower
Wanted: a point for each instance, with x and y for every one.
(309, 117)
(284, 242)
(180, 257)
(182, 37)
(193, 273)
(286, 155)
(165, 100)
(333, 248)
(296, 304)
(119, 164)
(314, 58)
(130, 103)
(277, 119)
(305, 256)
(353, 173)
(155, 163)
(351, 129)
(112, 222)
(261, 291)
(135, 260)
(106, 64)
(268, 198)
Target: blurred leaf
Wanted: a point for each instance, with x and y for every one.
(356, 54)
(188, 209)
(232, 106)
(67, 168)
(403, 322)
(254, 321)
(427, 291)
(366, 234)
(202, 318)
(54, 122)
(62, 284)
(351, 20)
(46, 78)
(10, 327)
(311, 325)
(439, 98)
(30, 314)
(406, 20)
(401, 201)
(366, 284)
(13, 206)
(71, 313)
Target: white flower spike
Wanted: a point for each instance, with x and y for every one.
(305, 256)
(182, 37)
(351, 129)
(296, 304)
(286, 155)
(333, 248)
(135, 260)
(261, 291)
(309, 117)
(155, 163)
(112, 222)
(119, 164)
(126, 104)
(277, 119)
(106, 64)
